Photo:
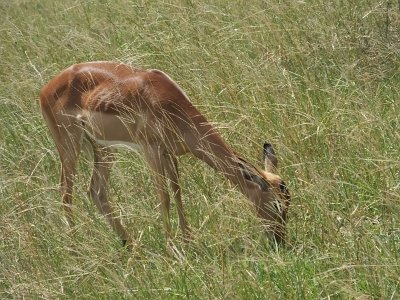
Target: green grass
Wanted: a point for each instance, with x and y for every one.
(318, 79)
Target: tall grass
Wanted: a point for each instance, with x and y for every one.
(318, 79)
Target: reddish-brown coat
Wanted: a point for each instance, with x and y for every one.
(112, 101)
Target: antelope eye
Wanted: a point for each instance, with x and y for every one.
(283, 188)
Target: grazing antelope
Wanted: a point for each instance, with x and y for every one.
(114, 104)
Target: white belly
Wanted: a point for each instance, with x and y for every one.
(115, 143)
(119, 144)
(110, 130)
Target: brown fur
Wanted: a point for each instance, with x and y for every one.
(111, 101)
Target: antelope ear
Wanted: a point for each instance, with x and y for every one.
(270, 160)
(254, 178)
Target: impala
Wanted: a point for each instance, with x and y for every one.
(114, 104)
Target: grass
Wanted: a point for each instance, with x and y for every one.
(319, 80)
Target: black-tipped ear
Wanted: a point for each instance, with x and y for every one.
(270, 160)
(268, 150)
(250, 176)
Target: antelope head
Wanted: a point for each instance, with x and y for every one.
(266, 189)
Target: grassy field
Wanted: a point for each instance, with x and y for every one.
(319, 80)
